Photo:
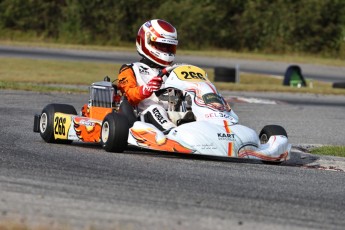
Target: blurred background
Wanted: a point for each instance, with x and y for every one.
(278, 27)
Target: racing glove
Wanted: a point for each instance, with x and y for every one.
(153, 85)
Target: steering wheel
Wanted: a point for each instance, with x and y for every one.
(166, 70)
(163, 72)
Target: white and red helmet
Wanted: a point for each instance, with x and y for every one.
(157, 41)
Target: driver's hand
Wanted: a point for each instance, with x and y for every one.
(153, 85)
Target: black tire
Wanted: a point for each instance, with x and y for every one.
(339, 85)
(46, 126)
(271, 130)
(128, 110)
(114, 134)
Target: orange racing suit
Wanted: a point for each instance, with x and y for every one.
(131, 78)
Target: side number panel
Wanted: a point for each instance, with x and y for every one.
(62, 123)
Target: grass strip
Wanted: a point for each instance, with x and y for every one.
(51, 75)
(41, 87)
(338, 151)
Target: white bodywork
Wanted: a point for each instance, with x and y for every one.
(216, 130)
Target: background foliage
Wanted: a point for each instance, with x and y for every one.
(279, 26)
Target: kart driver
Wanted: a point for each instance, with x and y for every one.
(156, 43)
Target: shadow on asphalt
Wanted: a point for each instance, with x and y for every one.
(298, 157)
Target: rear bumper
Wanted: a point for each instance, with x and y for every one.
(37, 118)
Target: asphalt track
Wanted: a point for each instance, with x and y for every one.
(83, 187)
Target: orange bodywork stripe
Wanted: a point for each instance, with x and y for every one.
(230, 149)
(226, 126)
(148, 139)
(227, 129)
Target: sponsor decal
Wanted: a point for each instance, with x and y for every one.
(212, 98)
(87, 130)
(148, 24)
(217, 115)
(226, 136)
(143, 70)
(159, 116)
(155, 53)
(168, 41)
(123, 81)
(72, 136)
(87, 123)
(209, 146)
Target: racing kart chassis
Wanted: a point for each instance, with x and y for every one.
(109, 120)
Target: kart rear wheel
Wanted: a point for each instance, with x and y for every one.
(114, 134)
(271, 130)
(46, 124)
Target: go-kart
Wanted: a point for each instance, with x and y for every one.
(206, 124)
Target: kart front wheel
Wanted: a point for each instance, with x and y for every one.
(114, 134)
(46, 123)
(271, 130)
(266, 133)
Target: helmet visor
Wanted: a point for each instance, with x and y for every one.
(164, 47)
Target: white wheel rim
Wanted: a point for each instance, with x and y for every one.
(105, 132)
(263, 139)
(43, 122)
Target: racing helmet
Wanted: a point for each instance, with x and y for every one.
(157, 41)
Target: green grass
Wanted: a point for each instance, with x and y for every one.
(39, 87)
(338, 151)
(50, 75)
(58, 72)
